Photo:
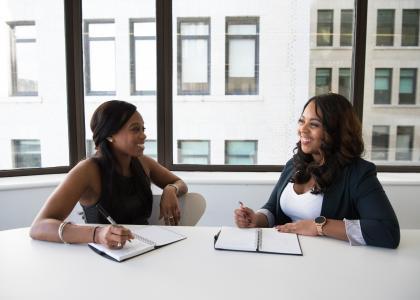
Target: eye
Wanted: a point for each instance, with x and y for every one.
(314, 125)
(300, 121)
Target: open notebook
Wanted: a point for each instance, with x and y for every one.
(146, 239)
(267, 240)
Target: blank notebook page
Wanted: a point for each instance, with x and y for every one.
(279, 242)
(232, 238)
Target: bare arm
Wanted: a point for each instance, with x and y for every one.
(165, 179)
(60, 204)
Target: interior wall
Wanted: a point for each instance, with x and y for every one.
(19, 206)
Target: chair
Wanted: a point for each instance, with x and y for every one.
(192, 206)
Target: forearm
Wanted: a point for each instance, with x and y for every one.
(261, 220)
(47, 230)
(335, 229)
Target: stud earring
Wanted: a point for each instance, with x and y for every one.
(109, 139)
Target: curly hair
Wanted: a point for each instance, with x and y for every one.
(341, 144)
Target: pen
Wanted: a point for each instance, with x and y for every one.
(242, 207)
(106, 215)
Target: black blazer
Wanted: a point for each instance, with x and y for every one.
(356, 194)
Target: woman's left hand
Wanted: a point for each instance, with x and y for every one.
(169, 206)
(303, 227)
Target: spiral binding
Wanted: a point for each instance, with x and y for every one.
(258, 232)
(143, 239)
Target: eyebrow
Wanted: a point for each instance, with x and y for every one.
(311, 119)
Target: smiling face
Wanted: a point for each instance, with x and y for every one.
(311, 132)
(129, 140)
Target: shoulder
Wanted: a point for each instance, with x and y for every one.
(87, 169)
(148, 164)
(361, 167)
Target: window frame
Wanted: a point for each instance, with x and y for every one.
(414, 83)
(389, 78)
(256, 38)
(208, 156)
(378, 35)
(254, 157)
(180, 39)
(416, 28)
(343, 35)
(133, 38)
(14, 89)
(331, 27)
(87, 46)
(75, 91)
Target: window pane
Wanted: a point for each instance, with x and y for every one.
(26, 153)
(194, 152)
(33, 85)
(408, 81)
(193, 46)
(151, 148)
(325, 28)
(323, 81)
(143, 57)
(405, 136)
(390, 113)
(120, 59)
(344, 81)
(346, 31)
(383, 86)
(380, 142)
(385, 27)
(241, 152)
(262, 61)
(410, 27)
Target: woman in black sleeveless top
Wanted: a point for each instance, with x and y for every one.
(117, 179)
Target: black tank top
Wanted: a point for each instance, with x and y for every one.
(128, 202)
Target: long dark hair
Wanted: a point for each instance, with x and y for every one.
(107, 120)
(341, 144)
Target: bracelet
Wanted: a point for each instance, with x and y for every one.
(61, 229)
(94, 233)
(174, 186)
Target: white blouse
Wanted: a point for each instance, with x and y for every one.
(307, 206)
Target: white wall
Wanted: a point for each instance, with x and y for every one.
(19, 202)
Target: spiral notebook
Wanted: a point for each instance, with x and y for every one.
(266, 240)
(146, 239)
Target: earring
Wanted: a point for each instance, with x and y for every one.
(109, 139)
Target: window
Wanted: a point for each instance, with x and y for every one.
(99, 48)
(405, 137)
(90, 148)
(408, 79)
(344, 79)
(346, 29)
(242, 47)
(385, 27)
(241, 152)
(143, 56)
(194, 152)
(323, 81)
(380, 142)
(383, 79)
(150, 148)
(325, 28)
(24, 69)
(193, 56)
(26, 153)
(410, 27)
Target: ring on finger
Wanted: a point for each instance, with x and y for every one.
(119, 245)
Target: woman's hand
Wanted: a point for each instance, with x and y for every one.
(245, 217)
(303, 227)
(169, 206)
(113, 236)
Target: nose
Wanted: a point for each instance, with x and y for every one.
(303, 127)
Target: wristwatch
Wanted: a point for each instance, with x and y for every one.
(175, 187)
(320, 222)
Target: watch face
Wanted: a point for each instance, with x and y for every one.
(320, 220)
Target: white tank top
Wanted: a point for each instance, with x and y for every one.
(306, 206)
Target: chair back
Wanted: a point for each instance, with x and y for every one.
(192, 206)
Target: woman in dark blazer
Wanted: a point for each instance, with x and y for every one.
(327, 188)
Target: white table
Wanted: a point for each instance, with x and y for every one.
(192, 269)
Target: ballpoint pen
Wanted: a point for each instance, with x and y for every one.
(242, 207)
(106, 215)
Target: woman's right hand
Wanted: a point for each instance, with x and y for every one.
(245, 217)
(113, 236)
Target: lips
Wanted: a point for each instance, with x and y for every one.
(305, 140)
(140, 146)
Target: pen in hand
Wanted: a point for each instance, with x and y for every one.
(242, 207)
(106, 215)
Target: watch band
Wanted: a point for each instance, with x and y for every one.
(319, 223)
(175, 187)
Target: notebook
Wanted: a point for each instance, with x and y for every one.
(267, 240)
(146, 239)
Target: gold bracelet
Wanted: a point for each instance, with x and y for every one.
(174, 186)
(61, 229)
